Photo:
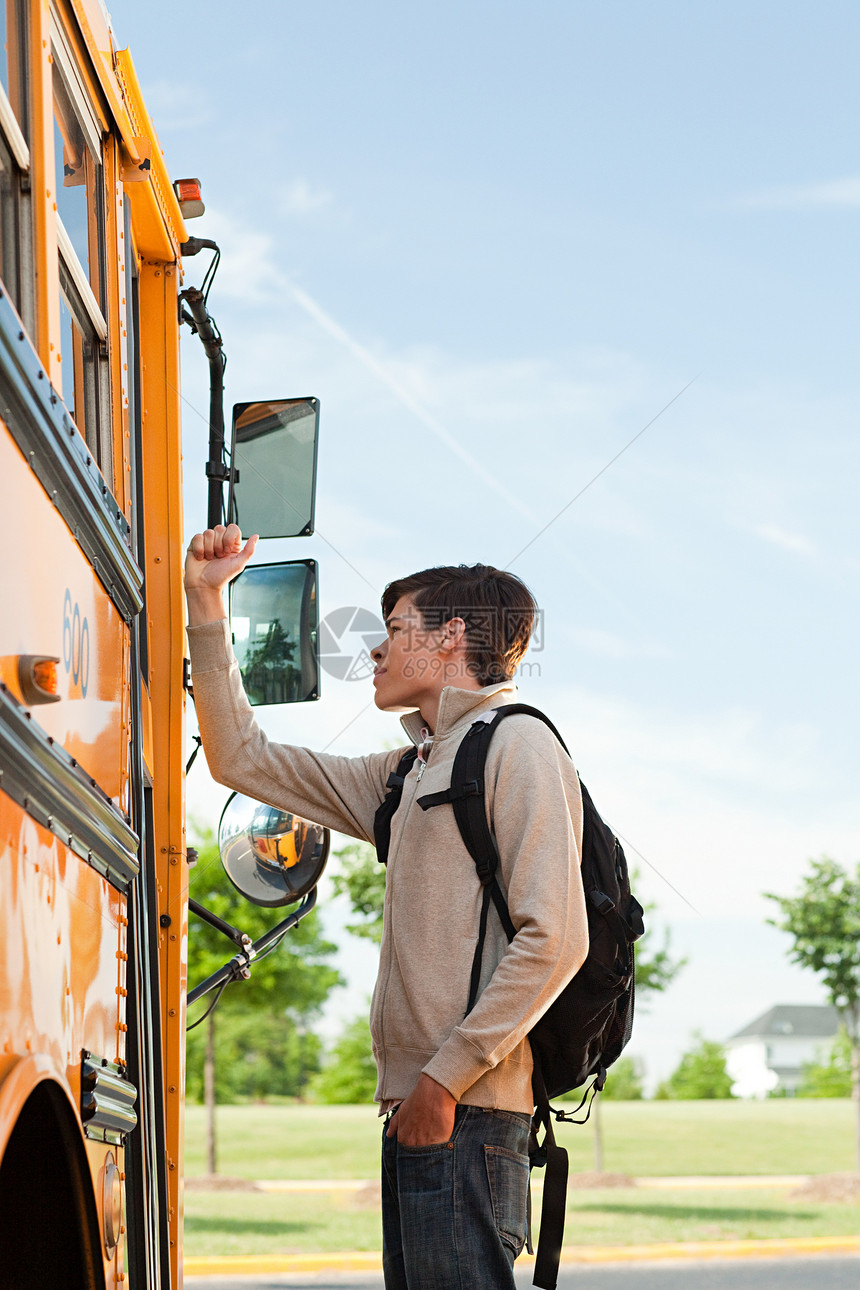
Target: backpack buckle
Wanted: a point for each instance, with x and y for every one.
(601, 901)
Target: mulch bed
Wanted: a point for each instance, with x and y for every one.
(832, 1187)
(219, 1182)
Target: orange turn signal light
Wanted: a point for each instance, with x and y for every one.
(190, 198)
(38, 678)
(188, 190)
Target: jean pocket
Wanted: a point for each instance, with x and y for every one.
(508, 1176)
(429, 1149)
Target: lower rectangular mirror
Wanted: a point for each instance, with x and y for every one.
(274, 617)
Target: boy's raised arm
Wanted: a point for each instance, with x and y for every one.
(215, 557)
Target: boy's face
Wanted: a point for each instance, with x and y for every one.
(410, 662)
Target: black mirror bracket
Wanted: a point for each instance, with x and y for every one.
(232, 933)
(239, 967)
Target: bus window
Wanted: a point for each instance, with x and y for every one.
(79, 186)
(15, 214)
(10, 237)
(13, 61)
(4, 58)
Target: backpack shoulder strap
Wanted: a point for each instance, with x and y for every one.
(389, 804)
(467, 797)
(511, 709)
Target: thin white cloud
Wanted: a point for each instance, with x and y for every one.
(248, 271)
(837, 194)
(384, 374)
(301, 198)
(723, 804)
(608, 645)
(178, 107)
(781, 537)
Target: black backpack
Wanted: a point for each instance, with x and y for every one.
(584, 1031)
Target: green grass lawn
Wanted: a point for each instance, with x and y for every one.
(278, 1223)
(640, 1139)
(290, 1223)
(803, 1136)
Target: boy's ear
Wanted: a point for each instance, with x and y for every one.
(453, 632)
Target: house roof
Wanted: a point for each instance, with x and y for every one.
(804, 1020)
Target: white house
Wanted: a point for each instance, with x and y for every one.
(771, 1051)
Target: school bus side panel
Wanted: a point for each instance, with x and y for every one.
(162, 467)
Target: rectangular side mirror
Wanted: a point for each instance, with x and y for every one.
(274, 466)
(274, 617)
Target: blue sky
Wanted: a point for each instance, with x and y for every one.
(496, 241)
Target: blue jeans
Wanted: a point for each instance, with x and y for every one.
(454, 1214)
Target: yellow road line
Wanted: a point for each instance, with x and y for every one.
(371, 1260)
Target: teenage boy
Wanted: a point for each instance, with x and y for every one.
(456, 1090)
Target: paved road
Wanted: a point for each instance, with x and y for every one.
(830, 1272)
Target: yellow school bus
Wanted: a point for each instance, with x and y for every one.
(93, 869)
(93, 858)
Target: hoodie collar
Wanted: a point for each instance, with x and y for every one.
(455, 705)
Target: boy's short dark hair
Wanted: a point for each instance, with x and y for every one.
(497, 607)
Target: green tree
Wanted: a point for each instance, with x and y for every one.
(655, 968)
(625, 1081)
(349, 1075)
(830, 1077)
(257, 1044)
(362, 879)
(258, 1055)
(268, 673)
(701, 1073)
(823, 921)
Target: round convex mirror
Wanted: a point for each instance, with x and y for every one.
(271, 856)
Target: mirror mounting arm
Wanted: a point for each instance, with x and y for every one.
(239, 967)
(203, 324)
(232, 933)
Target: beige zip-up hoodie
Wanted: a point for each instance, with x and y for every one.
(432, 895)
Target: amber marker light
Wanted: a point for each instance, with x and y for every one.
(38, 678)
(190, 198)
